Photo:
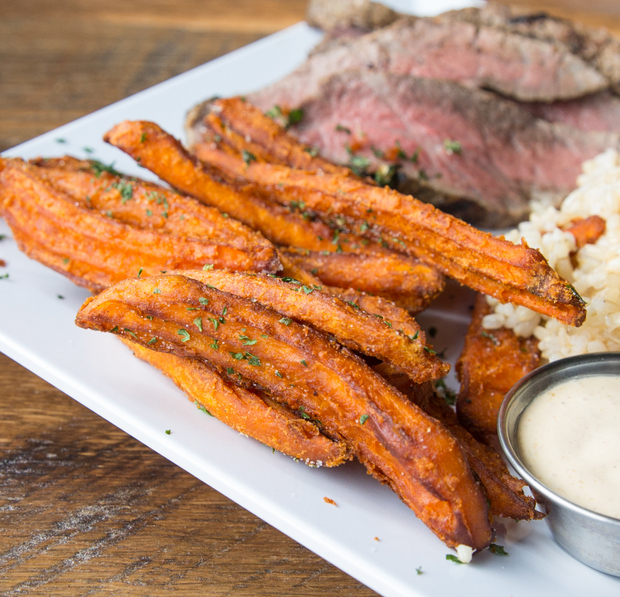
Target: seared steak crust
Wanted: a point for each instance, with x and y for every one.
(523, 68)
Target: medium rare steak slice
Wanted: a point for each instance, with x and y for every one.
(523, 68)
(596, 112)
(467, 148)
(595, 45)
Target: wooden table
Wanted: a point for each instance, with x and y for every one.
(84, 508)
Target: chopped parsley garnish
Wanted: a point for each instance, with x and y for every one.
(140, 272)
(184, 335)
(419, 571)
(285, 320)
(230, 371)
(252, 360)
(215, 322)
(60, 296)
(157, 291)
(445, 392)
(65, 260)
(278, 373)
(385, 175)
(198, 323)
(125, 189)
(247, 341)
(429, 350)
(294, 116)
(203, 300)
(88, 149)
(207, 267)
(152, 340)
(238, 356)
(343, 129)
(167, 432)
(359, 164)
(490, 337)
(202, 408)
(303, 413)
(149, 213)
(401, 155)
(303, 362)
(142, 137)
(130, 333)
(215, 345)
(364, 418)
(274, 112)
(99, 167)
(114, 329)
(453, 558)
(498, 550)
(4, 276)
(452, 147)
(248, 157)
(61, 140)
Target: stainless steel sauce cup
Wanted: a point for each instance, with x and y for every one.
(592, 538)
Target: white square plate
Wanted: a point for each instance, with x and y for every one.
(37, 330)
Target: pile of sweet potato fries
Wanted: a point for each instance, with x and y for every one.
(277, 290)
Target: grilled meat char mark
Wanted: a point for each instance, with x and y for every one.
(470, 147)
(523, 68)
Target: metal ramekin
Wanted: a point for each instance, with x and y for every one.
(592, 538)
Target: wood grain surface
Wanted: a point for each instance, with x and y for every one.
(84, 508)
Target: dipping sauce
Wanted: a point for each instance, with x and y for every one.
(569, 438)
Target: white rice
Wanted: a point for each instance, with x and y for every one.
(596, 277)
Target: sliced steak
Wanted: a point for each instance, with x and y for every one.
(365, 15)
(594, 44)
(523, 68)
(467, 148)
(596, 112)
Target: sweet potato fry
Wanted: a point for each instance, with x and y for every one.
(510, 273)
(586, 230)
(101, 232)
(490, 364)
(290, 225)
(346, 321)
(260, 418)
(504, 491)
(407, 282)
(243, 127)
(399, 318)
(307, 371)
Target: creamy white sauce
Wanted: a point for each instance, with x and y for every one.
(569, 438)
